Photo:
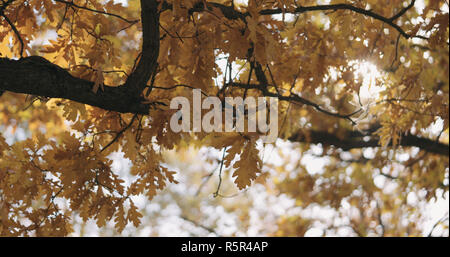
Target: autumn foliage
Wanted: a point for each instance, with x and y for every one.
(361, 85)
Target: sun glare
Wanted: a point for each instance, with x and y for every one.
(368, 74)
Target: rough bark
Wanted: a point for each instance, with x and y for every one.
(350, 141)
(37, 76)
(150, 47)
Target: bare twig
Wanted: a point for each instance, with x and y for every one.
(210, 230)
(120, 133)
(441, 220)
(403, 11)
(13, 27)
(96, 11)
(220, 173)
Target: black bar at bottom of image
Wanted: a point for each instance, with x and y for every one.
(220, 246)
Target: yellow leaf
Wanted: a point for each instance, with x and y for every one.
(120, 220)
(134, 215)
(248, 166)
(98, 82)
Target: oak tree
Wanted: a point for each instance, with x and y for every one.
(363, 85)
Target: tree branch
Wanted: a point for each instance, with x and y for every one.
(11, 24)
(37, 76)
(119, 133)
(96, 11)
(403, 11)
(195, 223)
(44, 78)
(350, 141)
(232, 14)
(147, 65)
(294, 99)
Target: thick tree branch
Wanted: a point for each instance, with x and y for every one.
(37, 76)
(349, 142)
(147, 65)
